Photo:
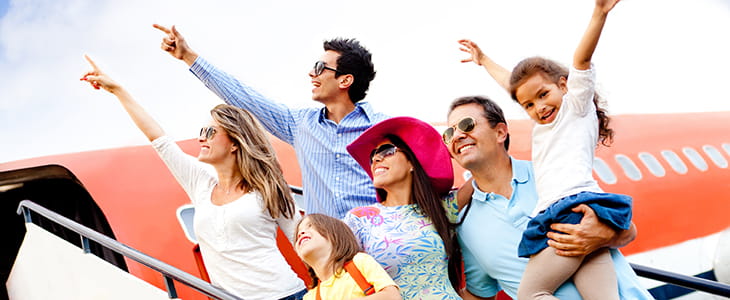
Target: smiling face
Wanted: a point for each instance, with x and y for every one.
(391, 170)
(473, 149)
(217, 148)
(326, 84)
(541, 98)
(310, 243)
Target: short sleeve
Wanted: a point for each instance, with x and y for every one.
(478, 282)
(451, 206)
(373, 271)
(355, 223)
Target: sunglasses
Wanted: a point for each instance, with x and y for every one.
(320, 66)
(385, 150)
(464, 125)
(207, 133)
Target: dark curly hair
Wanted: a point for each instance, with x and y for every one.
(356, 60)
(553, 71)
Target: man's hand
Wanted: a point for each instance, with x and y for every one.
(583, 238)
(174, 43)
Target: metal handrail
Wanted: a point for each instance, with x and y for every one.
(690, 282)
(296, 189)
(168, 271)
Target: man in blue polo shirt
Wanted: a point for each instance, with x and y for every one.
(503, 197)
(332, 181)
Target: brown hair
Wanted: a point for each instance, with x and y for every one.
(429, 204)
(344, 243)
(553, 71)
(256, 159)
(492, 112)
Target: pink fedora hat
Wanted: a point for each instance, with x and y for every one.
(425, 142)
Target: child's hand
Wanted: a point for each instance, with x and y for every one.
(470, 47)
(606, 5)
(98, 79)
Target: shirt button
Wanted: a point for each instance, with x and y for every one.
(339, 134)
(337, 178)
(338, 156)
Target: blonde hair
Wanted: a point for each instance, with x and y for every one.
(256, 159)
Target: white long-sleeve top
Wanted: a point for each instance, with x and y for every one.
(563, 150)
(238, 239)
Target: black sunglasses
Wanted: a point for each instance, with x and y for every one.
(383, 151)
(320, 66)
(464, 125)
(207, 133)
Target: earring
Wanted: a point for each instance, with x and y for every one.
(411, 169)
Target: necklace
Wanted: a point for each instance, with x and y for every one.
(228, 192)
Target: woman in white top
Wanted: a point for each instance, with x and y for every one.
(239, 207)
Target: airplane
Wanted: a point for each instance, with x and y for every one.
(675, 166)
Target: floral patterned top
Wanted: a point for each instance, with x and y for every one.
(407, 245)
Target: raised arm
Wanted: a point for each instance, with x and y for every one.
(499, 73)
(141, 118)
(174, 43)
(587, 45)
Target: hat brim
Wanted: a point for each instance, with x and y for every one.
(423, 140)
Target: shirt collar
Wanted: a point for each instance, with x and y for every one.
(361, 107)
(478, 194)
(520, 174)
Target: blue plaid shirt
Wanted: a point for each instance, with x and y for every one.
(333, 182)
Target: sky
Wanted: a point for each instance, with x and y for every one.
(655, 56)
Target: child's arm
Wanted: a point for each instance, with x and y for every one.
(499, 73)
(141, 118)
(587, 45)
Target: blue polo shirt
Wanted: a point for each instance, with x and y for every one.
(492, 231)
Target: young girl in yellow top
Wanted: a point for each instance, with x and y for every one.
(326, 245)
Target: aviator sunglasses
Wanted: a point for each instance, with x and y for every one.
(207, 133)
(320, 66)
(464, 125)
(383, 151)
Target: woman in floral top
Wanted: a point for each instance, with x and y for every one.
(409, 231)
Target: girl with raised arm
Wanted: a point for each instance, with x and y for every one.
(569, 126)
(239, 207)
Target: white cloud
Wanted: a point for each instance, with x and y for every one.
(655, 56)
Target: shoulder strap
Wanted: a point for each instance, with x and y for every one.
(366, 287)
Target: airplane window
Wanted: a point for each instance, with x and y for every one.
(726, 147)
(652, 164)
(674, 161)
(715, 156)
(629, 167)
(695, 158)
(603, 171)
